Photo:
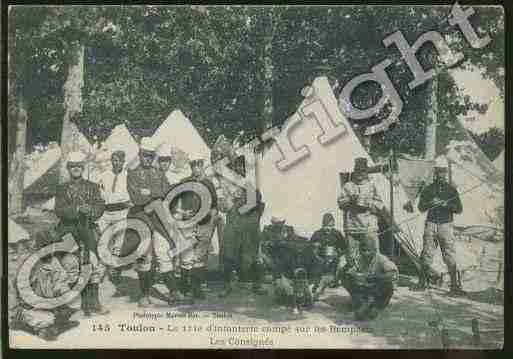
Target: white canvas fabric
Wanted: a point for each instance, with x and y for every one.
(16, 232)
(307, 190)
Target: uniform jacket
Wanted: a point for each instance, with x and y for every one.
(192, 202)
(360, 202)
(242, 228)
(155, 181)
(330, 238)
(68, 198)
(445, 192)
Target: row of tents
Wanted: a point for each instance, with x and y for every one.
(306, 191)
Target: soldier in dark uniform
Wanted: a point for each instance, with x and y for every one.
(240, 244)
(146, 183)
(441, 201)
(194, 260)
(78, 204)
(288, 256)
(330, 246)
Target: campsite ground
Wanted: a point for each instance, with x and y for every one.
(413, 319)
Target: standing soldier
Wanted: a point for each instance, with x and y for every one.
(441, 201)
(113, 184)
(78, 204)
(361, 204)
(240, 244)
(146, 183)
(194, 260)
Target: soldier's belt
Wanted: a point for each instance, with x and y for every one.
(113, 207)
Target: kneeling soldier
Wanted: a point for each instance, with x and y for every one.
(330, 246)
(370, 281)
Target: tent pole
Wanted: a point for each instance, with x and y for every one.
(391, 173)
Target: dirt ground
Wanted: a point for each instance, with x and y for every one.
(412, 320)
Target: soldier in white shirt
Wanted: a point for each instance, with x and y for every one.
(113, 184)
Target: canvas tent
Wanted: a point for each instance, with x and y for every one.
(16, 232)
(178, 131)
(41, 165)
(500, 162)
(307, 190)
(479, 183)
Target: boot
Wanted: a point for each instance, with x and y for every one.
(372, 313)
(115, 279)
(96, 306)
(257, 289)
(228, 284)
(175, 297)
(456, 290)
(49, 333)
(85, 304)
(422, 284)
(197, 279)
(186, 286)
(258, 276)
(144, 282)
(362, 312)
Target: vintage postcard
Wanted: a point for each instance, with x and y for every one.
(249, 177)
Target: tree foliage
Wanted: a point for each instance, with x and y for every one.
(142, 62)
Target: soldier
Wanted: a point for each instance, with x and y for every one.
(288, 257)
(278, 230)
(146, 183)
(441, 201)
(240, 244)
(361, 204)
(173, 178)
(194, 260)
(330, 247)
(167, 164)
(113, 183)
(79, 204)
(370, 281)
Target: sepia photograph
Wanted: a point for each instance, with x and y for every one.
(255, 177)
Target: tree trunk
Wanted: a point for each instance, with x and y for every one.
(433, 122)
(17, 177)
(72, 106)
(264, 36)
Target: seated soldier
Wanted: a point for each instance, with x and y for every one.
(329, 247)
(370, 281)
(51, 277)
(285, 257)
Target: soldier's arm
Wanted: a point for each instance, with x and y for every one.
(97, 202)
(344, 200)
(316, 236)
(387, 271)
(454, 202)
(134, 191)
(376, 204)
(424, 200)
(341, 243)
(64, 209)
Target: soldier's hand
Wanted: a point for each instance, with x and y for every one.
(436, 202)
(145, 192)
(85, 209)
(116, 251)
